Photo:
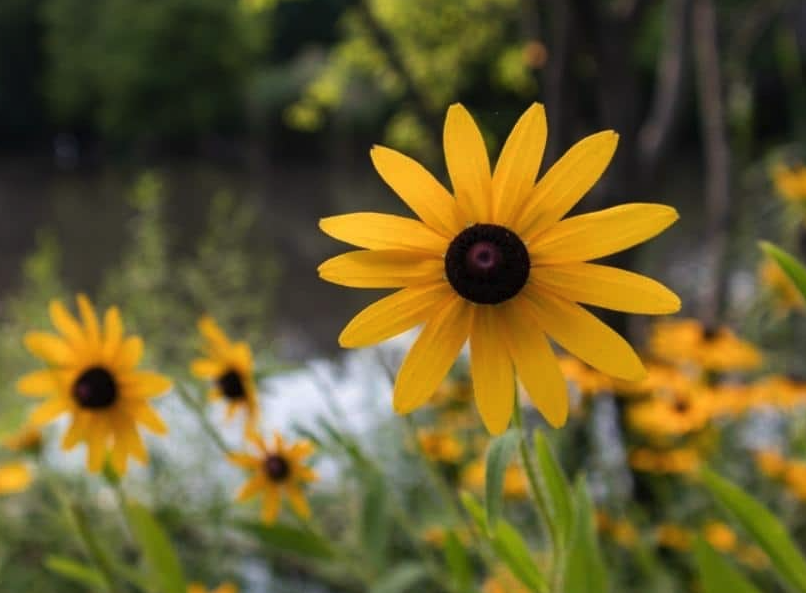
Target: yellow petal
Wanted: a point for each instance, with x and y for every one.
(119, 459)
(242, 357)
(610, 288)
(14, 478)
(144, 414)
(51, 409)
(566, 182)
(300, 449)
(518, 164)
(66, 324)
(130, 353)
(77, 431)
(271, 506)
(97, 438)
(594, 235)
(245, 460)
(144, 384)
(491, 368)
(298, 502)
(90, 320)
(204, 368)
(127, 435)
(50, 348)
(113, 334)
(394, 314)
(583, 335)
(535, 362)
(382, 269)
(468, 165)
(432, 355)
(256, 484)
(384, 231)
(42, 382)
(213, 333)
(426, 196)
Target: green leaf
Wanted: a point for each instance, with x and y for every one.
(498, 457)
(458, 562)
(556, 487)
(375, 519)
(509, 547)
(789, 264)
(718, 575)
(768, 532)
(584, 570)
(287, 539)
(75, 571)
(400, 579)
(159, 555)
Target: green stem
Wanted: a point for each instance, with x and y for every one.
(192, 403)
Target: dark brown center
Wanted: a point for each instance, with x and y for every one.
(277, 467)
(231, 385)
(95, 389)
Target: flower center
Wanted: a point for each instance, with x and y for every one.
(487, 264)
(276, 467)
(681, 406)
(231, 385)
(95, 389)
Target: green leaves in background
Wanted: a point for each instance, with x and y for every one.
(789, 264)
(499, 455)
(401, 579)
(290, 540)
(767, 531)
(584, 570)
(458, 562)
(508, 546)
(718, 575)
(557, 491)
(76, 572)
(375, 525)
(159, 556)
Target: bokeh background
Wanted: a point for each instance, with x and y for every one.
(174, 156)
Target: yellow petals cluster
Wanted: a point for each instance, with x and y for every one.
(786, 295)
(789, 472)
(15, 477)
(440, 445)
(515, 487)
(683, 460)
(790, 182)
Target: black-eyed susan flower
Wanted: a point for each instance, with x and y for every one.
(720, 536)
(771, 463)
(683, 460)
(277, 470)
(790, 182)
(516, 485)
(786, 296)
(674, 536)
(795, 479)
(224, 588)
(229, 366)
(497, 264)
(92, 375)
(670, 415)
(15, 477)
(28, 439)
(440, 445)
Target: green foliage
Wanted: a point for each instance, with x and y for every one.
(789, 264)
(75, 571)
(459, 564)
(499, 454)
(585, 570)
(290, 540)
(160, 559)
(400, 579)
(559, 495)
(717, 574)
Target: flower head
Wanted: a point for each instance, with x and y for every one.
(92, 375)
(780, 286)
(496, 263)
(276, 470)
(790, 182)
(14, 477)
(440, 445)
(229, 366)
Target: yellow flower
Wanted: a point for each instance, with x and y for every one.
(790, 182)
(779, 391)
(440, 445)
(660, 378)
(26, 439)
(623, 533)
(795, 478)
(14, 478)
(670, 415)
(684, 460)
(732, 399)
(515, 482)
(687, 341)
(199, 588)
(589, 381)
(276, 470)
(786, 294)
(771, 463)
(753, 556)
(720, 536)
(92, 376)
(503, 581)
(229, 365)
(496, 263)
(676, 537)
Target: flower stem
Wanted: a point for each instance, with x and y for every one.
(192, 403)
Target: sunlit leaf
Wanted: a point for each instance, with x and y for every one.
(289, 540)
(718, 575)
(75, 571)
(556, 486)
(375, 519)
(498, 457)
(401, 579)
(159, 554)
(767, 531)
(788, 263)
(584, 570)
(458, 562)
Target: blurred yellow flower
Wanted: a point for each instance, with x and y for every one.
(224, 588)
(621, 531)
(786, 295)
(731, 399)
(436, 535)
(660, 378)
(790, 183)
(452, 392)
(440, 445)
(795, 479)
(779, 392)
(503, 581)
(673, 536)
(753, 556)
(720, 536)
(277, 470)
(684, 460)
(515, 482)
(670, 415)
(92, 376)
(588, 380)
(496, 263)
(771, 463)
(687, 341)
(229, 366)
(28, 439)
(14, 477)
